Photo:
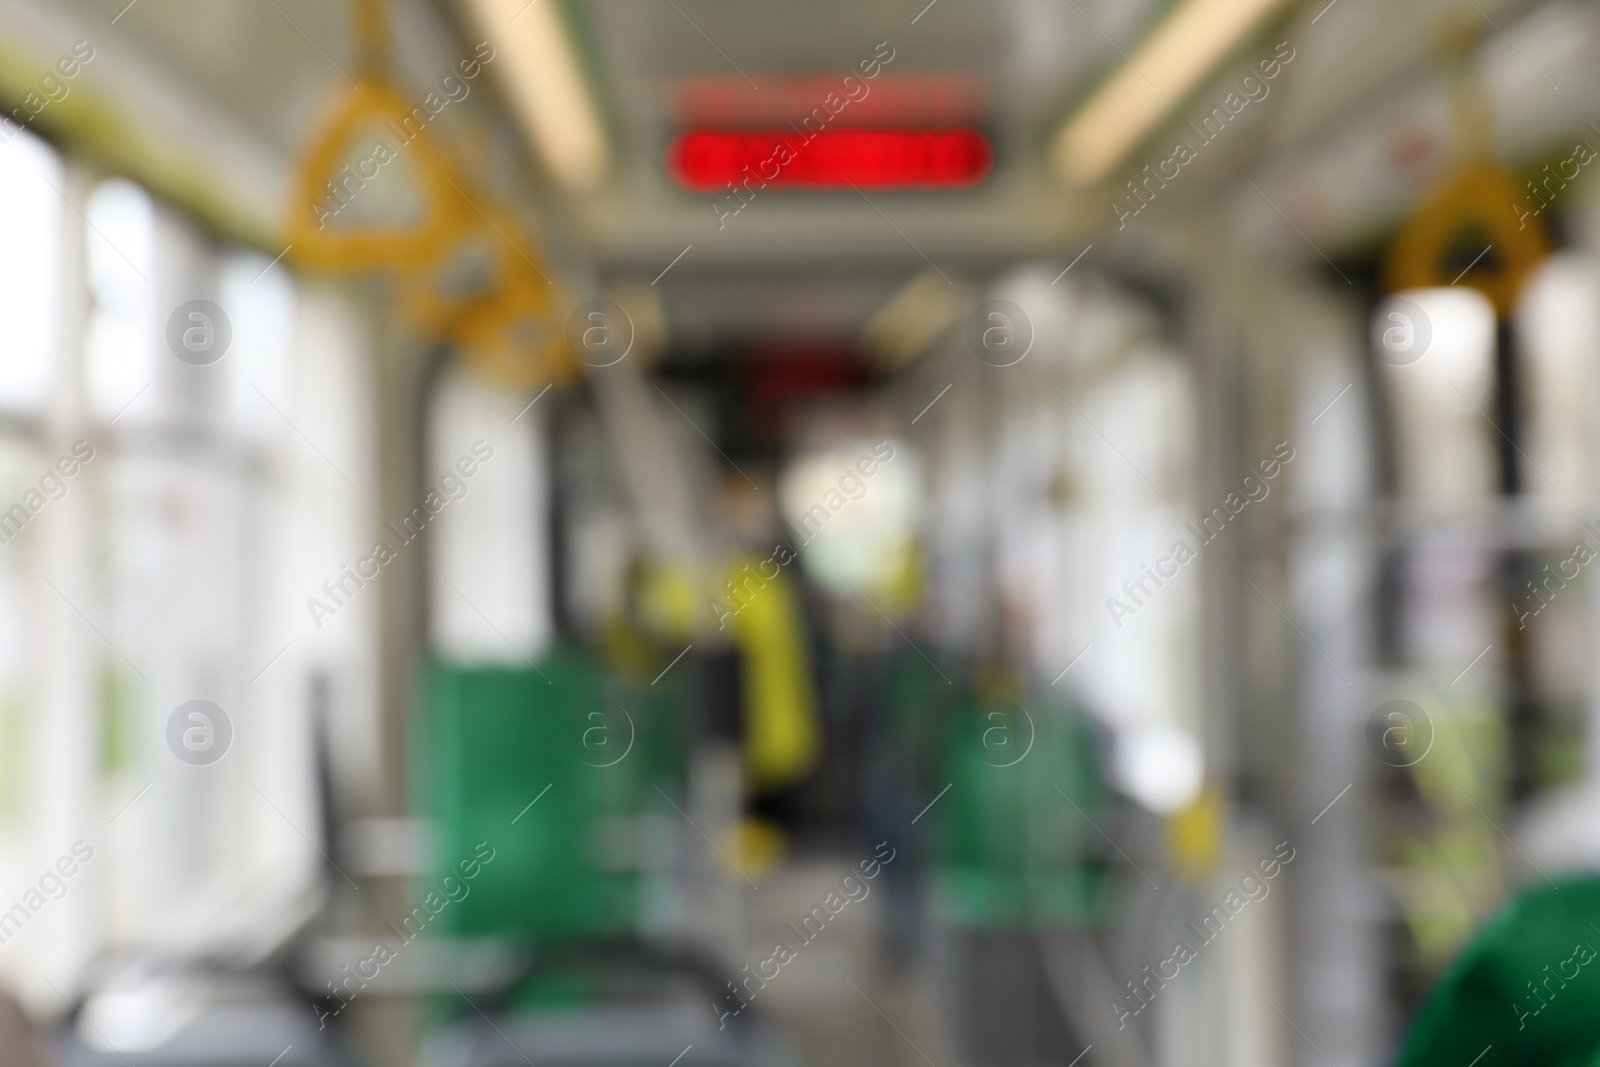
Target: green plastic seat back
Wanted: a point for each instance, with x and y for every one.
(1526, 988)
(551, 769)
(1014, 852)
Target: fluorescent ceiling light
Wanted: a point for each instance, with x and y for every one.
(1184, 48)
(912, 319)
(539, 69)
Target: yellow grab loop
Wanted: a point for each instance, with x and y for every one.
(375, 191)
(372, 40)
(487, 276)
(371, 133)
(1472, 212)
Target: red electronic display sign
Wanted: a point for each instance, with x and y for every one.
(707, 160)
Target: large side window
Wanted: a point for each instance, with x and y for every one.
(30, 173)
(159, 676)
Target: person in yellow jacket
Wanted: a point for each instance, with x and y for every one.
(782, 738)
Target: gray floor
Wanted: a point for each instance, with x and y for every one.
(836, 1001)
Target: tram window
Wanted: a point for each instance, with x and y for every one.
(855, 528)
(30, 174)
(18, 639)
(489, 573)
(151, 579)
(1558, 344)
(1437, 348)
(1143, 682)
(1558, 339)
(121, 352)
(260, 303)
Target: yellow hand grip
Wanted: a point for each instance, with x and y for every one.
(326, 184)
(1479, 201)
(487, 275)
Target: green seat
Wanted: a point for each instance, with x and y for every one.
(1526, 989)
(556, 770)
(1018, 849)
